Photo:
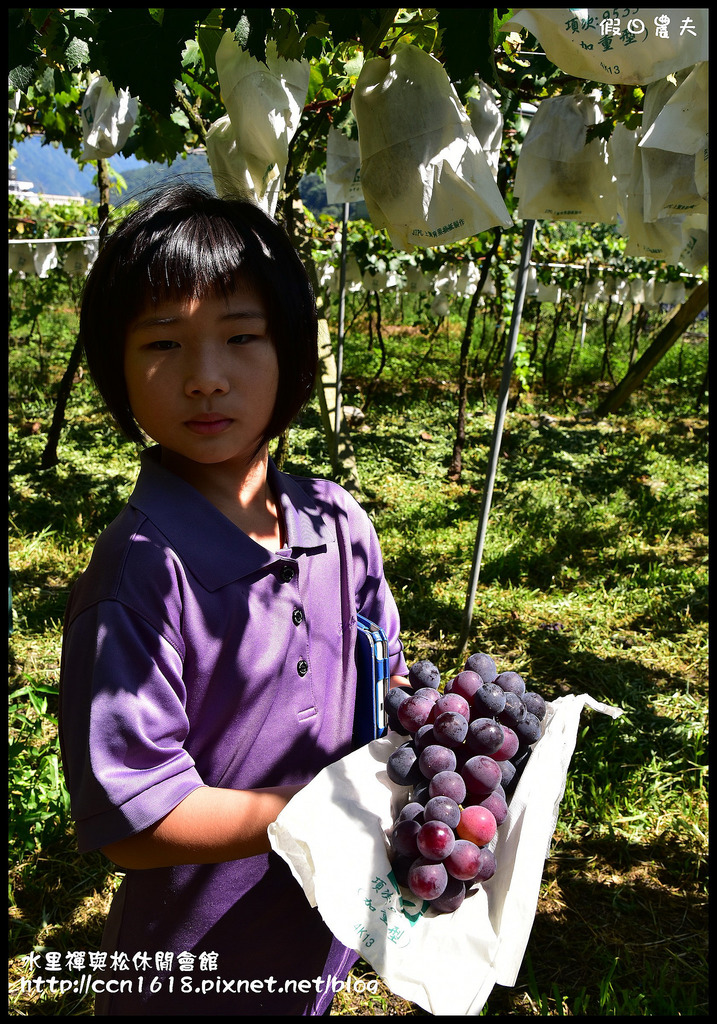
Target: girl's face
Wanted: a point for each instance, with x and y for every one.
(202, 376)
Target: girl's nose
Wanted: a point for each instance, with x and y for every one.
(205, 376)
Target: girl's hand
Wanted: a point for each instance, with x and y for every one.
(208, 827)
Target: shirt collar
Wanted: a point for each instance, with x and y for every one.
(211, 546)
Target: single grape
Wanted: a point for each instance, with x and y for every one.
(395, 696)
(423, 737)
(450, 728)
(511, 682)
(453, 702)
(414, 712)
(486, 867)
(427, 879)
(400, 867)
(420, 793)
(513, 711)
(412, 811)
(464, 860)
(449, 784)
(434, 759)
(509, 746)
(477, 824)
(485, 736)
(535, 704)
(451, 898)
(528, 730)
(484, 665)
(518, 764)
(497, 805)
(404, 838)
(481, 775)
(428, 693)
(465, 684)
(443, 808)
(488, 702)
(424, 673)
(507, 773)
(435, 840)
(402, 766)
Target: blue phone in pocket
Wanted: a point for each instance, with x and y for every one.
(372, 683)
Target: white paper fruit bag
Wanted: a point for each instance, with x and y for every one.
(626, 46)
(107, 119)
(424, 175)
(333, 837)
(558, 176)
(249, 148)
(343, 168)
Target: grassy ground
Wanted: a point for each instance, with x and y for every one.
(594, 579)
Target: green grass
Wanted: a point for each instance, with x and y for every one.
(594, 579)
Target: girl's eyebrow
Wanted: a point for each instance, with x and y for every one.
(162, 321)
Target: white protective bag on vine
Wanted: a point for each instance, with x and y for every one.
(621, 46)
(45, 258)
(107, 119)
(424, 175)
(21, 258)
(674, 146)
(333, 836)
(558, 176)
(343, 168)
(662, 239)
(487, 123)
(248, 149)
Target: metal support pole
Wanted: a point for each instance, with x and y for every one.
(520, 288)
(342, 313)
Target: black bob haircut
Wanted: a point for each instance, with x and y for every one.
(185, 243)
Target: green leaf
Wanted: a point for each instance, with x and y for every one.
(192, 54)
(251, 30)
(467, 39)
(77, 53)
(146, 57)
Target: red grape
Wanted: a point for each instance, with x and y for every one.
(448, 784)
(435, 758)
(414, 712)
(511, 681)
(403, 838)
(464, 860)
(427, 879)
(485, 736)
(481, 775)
(509, 746)
(450, 728)
(451, 898)
(435, 840)
(443, 808)
(477, 824)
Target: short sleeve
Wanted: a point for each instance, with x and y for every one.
(123, 724)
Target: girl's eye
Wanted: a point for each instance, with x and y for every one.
(163, 345)
(240, 339)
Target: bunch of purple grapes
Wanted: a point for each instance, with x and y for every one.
(468, 746)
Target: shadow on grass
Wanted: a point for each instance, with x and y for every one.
(613, 926)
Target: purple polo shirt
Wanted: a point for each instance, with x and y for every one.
(192, 656)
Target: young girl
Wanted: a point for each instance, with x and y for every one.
(208, 665)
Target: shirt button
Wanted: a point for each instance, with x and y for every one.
(287, 573)
(298, 616)
(302, 668)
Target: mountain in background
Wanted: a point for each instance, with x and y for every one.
(54, 172)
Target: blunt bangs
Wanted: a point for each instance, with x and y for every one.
(192, 259)
(185, 243)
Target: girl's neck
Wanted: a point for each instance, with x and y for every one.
(242, 494)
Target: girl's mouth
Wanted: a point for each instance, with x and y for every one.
(208, 424)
